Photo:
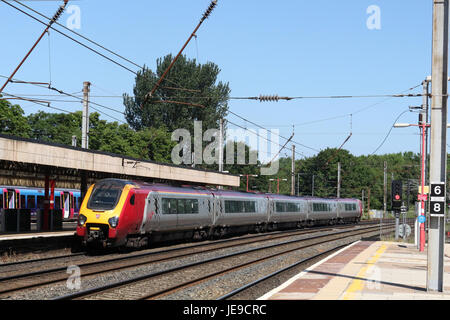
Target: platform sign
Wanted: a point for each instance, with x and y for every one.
(437, 199)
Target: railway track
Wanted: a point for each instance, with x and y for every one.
(82, 255)
(163, 283)
(43, 275)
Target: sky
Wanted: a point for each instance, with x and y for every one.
(292, 48)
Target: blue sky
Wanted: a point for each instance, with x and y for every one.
(289, 48)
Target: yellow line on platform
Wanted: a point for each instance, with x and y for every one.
(357, 285)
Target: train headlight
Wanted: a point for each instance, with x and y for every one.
(82, 219)
(113, 222)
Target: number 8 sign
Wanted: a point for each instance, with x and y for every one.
(437, 198)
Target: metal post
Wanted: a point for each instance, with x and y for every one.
(362, 200)
(422, 123)
(85, 120)
(221, 145)
(312, 192)
(339, 180)
(404, 220)
(438, 147)
(397, 222)
(385, 189)
(293, 171)
(46, 203)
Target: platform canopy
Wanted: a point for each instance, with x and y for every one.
(23, 161)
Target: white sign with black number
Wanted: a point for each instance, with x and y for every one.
(437, 198)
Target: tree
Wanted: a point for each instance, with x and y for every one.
(55, 127)
(200, 82)
(12, 120)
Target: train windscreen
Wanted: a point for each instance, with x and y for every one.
(106, 195)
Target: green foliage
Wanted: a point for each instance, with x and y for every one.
(12, 120)
(187, 74)
(152, 144)
(55, 127)
(357, 174)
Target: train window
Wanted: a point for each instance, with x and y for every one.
(31, 202)
(321, 207)
(250, 206)
(105, 195)
(293, 207)
(57, 202)
(40, 202)
(165, 206)
(179, 206)
(1, 200)
(23, 201)
(195, 206)
(132, 200)
(235, 206)
(350, 207)
(281, 207)
(173, 206)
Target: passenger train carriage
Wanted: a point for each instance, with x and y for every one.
(118, 212)
(13, 197)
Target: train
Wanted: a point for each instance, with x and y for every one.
(123, 213)
(16, 197)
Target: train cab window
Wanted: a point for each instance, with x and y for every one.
(132, 200)
(105, 195)
(1, 200)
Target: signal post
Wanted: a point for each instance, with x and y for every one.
(397, 192)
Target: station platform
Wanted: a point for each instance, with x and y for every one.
(366, 270)
(32, 241)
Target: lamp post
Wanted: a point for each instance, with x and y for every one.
(248, 175)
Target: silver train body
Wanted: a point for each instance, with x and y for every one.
(204, 213)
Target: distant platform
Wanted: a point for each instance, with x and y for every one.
(365, 270)
(32, 241)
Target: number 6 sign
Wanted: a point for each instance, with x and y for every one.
(437, 199)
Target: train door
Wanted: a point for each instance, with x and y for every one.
(67, 205)
(151, 216)
(2, 198)
(215, 214)
(11, 199)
